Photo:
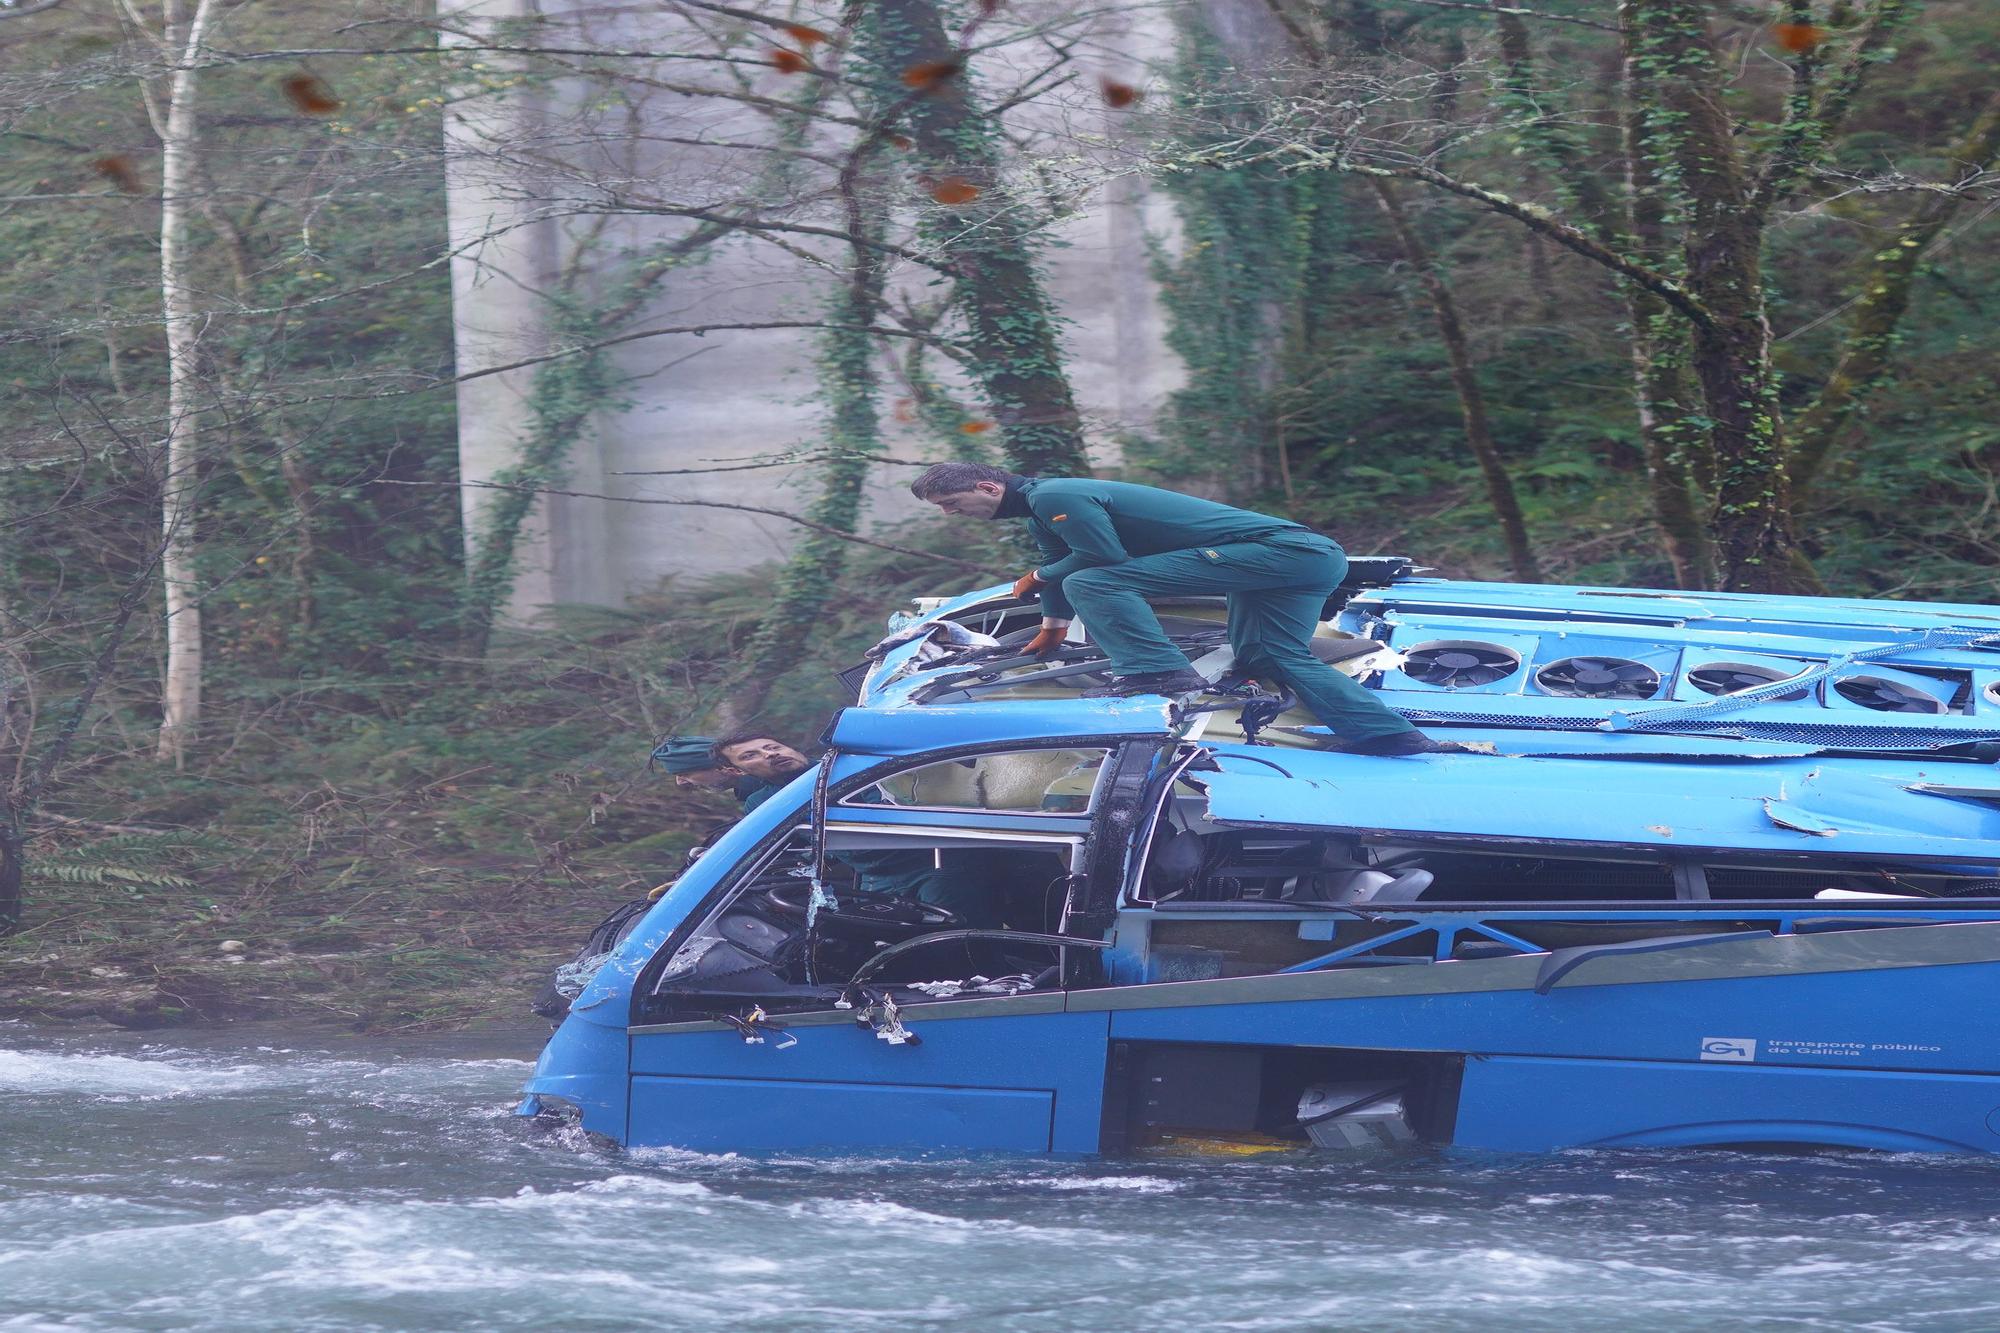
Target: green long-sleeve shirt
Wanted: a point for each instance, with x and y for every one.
(1083, 524)
(753, 792)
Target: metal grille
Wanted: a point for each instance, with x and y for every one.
(1823, 734)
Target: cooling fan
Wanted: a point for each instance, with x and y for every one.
(1460, 665)
(1724, 678)
(1886, 696)
(1599, 678)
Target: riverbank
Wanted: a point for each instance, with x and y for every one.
(416, 854)
(410, 849)
(366, 906)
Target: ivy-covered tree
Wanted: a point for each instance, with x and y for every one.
(1709, 158)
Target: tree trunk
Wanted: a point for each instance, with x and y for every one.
(1017, 357)
(1659, 381)
(12, 870)
(1731, 356)
(180, 695)
(1871, 338)
(16, 730)
(1754, 550)
(1669, 440)
(1465, 378)
(1660, 388)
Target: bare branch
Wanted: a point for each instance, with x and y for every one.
(1534, 216)
(1813, 114)
(931, 556)
(1513, 11)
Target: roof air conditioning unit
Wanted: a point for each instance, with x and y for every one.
(1721, 677)
(1459, 666)
(1886, 690)
(1598, 678)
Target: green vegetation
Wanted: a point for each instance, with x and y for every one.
(1317, 381)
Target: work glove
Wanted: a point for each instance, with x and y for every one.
(1046, 642)
(1027, 584)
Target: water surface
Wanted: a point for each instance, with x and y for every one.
(243, 1183)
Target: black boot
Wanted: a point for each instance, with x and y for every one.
(1401, 743)
(1171, 684)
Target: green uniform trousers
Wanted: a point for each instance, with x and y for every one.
(1276, 588)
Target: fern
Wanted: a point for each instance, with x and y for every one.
(178, 840)
(59, 872)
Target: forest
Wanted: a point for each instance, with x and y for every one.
(1659, 293)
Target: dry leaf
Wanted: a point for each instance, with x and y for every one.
(1118, 95)
(788, 62)
(803, 35)
(904, 410)
(990, 7)
(310, 95)
(930, 74)
(974, 427)
(953, 190)
(120, 170)
(902, 141)
(1799, 38)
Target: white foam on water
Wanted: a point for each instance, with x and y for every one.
(647, 1191)
(1128, 1184)
(1496, 1266)
(742, 1265)
(884, 1217)
(32, 1323)
(880, 1215)
(466, 1253)
(676, 1157)
(1811, 1268)
(55, 1073)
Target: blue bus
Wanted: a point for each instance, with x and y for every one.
(1716, 869)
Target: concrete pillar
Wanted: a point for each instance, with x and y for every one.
(734, 394)
(507, 258)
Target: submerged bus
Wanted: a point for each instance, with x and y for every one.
(1716, 869)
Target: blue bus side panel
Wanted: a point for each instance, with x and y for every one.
(1908, 1018)
(752, 1115)
(1535, 1105)
(1049, 1054)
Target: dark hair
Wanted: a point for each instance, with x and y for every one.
(737, 738)
(957, 478)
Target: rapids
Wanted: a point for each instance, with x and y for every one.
(232, 1182)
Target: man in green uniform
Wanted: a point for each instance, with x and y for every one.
(1110, 544)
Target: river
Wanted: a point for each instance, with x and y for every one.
(232, 1182)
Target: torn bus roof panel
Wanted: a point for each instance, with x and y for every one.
(1818, 617)
(1782, 805)
(889, 731)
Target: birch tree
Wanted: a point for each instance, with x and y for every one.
(179, 37)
